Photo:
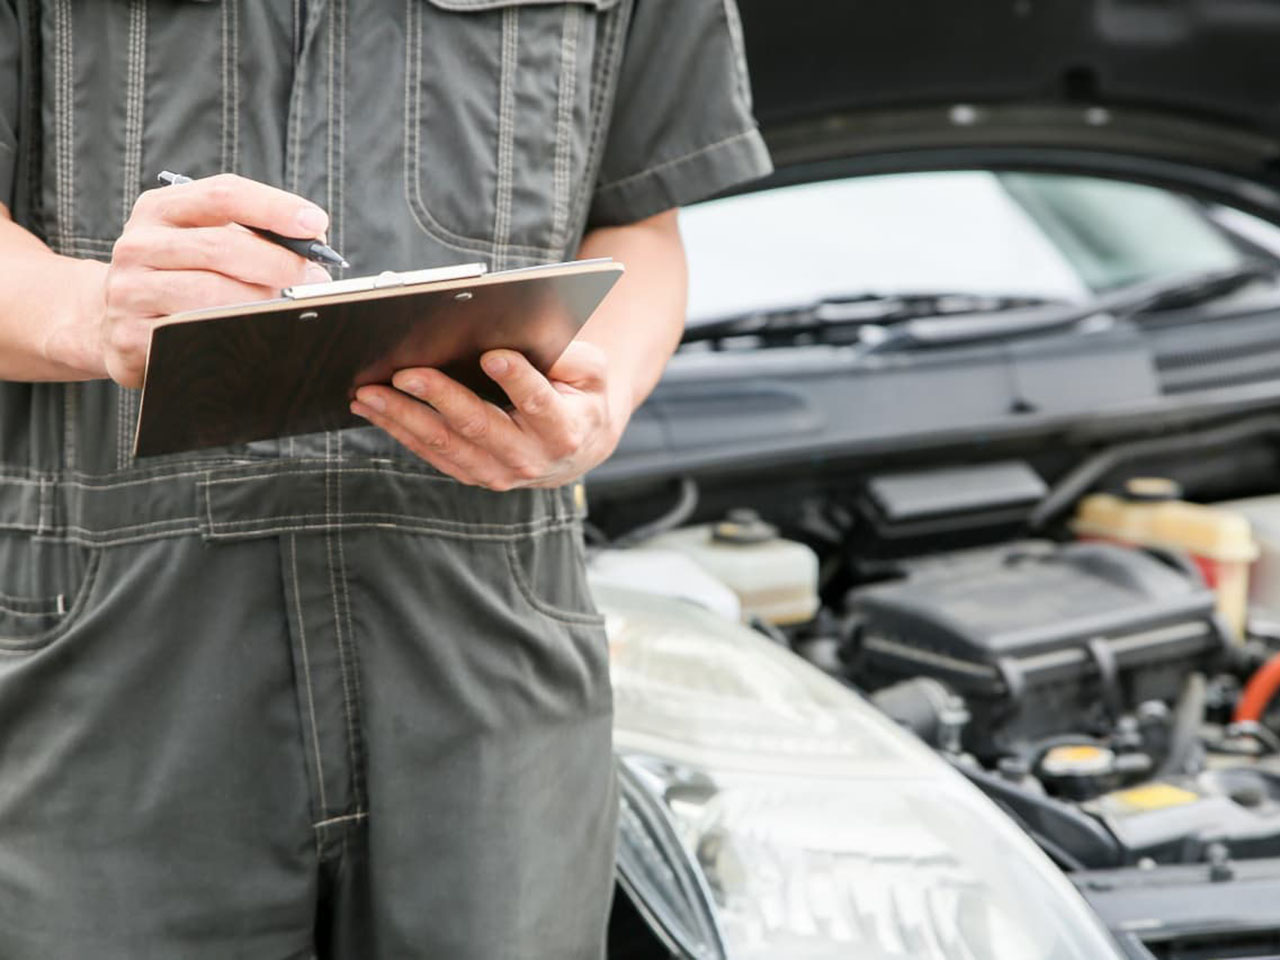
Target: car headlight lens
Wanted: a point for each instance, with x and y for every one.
(813, 825)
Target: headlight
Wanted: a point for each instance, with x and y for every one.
(810, 826)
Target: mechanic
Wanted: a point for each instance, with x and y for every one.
(342, 695)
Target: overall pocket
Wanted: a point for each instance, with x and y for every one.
(549, 570)
(44, 589)
(501, 115)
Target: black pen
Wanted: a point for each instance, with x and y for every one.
(312, 250)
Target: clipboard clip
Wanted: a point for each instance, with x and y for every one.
(388, 279)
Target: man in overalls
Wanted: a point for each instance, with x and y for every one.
(342, 695)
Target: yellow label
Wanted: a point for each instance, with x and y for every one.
(1083, 753)
(1153, 796)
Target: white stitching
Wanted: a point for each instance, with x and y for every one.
(531, 597)
(337, 621)
(506, 134)
(22, 646)
(247, 471)
(424, 528)
(306, 671)
(295, 152)
(413, 156)
(675, 161)
(353, 696)
(226, 81)
(605, 81)
(568, 94)
(132, 175)
(329, 523)
(329, 146)
(235, 84)
(64, 68)
(346, 818)
(341, 8)
(70, 396)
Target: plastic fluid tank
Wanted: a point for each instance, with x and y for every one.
(1264, 580)
(1149, 513)
(775, 579)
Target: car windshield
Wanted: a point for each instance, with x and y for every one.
(1042, 236)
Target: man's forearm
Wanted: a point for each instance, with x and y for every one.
(639, 325)
(49, 310)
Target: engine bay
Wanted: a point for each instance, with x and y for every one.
(1093, 644)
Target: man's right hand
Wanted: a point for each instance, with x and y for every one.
(184, 249)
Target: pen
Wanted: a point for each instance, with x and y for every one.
(313, 250)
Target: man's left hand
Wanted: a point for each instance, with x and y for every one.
(560, 425)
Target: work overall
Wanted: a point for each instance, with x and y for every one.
(309, 696)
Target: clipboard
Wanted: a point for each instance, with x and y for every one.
(290, 366)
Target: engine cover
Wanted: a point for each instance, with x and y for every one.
(1040, 639)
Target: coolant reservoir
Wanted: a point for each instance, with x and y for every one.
(1150, 514)
(775, 579)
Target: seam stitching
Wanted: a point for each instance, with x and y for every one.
(226, 83)
(234, 74)
(413, 155)
(306, 672)
(568, 94)
(339, 641)
(674, 162)
(21, 646)
(604, 81)
(506, 134)
(531, 597)
(341, 227)
(345, 818)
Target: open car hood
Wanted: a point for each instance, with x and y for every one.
(1182, 93)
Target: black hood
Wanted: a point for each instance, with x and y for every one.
(1179, 92)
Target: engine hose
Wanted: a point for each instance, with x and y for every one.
(1259, 692)
(686, 503)
(1080, 480)
(1187, 718)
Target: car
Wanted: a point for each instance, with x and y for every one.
(941, 572)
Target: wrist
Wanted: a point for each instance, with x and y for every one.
(73, 338)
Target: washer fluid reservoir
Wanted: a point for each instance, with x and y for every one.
(775, 579)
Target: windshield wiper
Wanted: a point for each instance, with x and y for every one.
(837, 320)
(1131, 300)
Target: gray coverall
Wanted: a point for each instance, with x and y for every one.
(309, 696)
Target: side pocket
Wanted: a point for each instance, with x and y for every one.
(549, 569)
(46, 590)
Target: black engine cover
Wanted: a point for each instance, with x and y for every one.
(1040, 639)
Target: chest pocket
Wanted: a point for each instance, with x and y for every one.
(505, 100)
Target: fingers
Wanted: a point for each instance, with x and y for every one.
(226, 198)
(159, 293)
(231, 251)
(473, 419)
(540, 407)
(528, 390)
(425, 433)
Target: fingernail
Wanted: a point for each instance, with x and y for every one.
(414, 386)
(373, 401)
(312, 220)
(317, 274)
(496, 365)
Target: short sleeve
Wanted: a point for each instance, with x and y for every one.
(10, 51)
(682, 127)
